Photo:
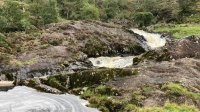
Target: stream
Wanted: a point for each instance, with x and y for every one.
(24, 99)
(153, 41)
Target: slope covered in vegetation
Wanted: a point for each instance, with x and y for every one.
(55, 38)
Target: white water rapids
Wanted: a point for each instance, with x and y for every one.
(24, 99)
(112, 62)
(153, 41)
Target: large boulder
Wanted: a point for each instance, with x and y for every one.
(188, 47)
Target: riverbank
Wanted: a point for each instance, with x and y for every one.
(88, 58)
(177, 31)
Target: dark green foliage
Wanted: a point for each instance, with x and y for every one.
(94, 47)
(13, 16)
(111, 9)
(89, 11)
(43, 12)
(143, 18)
(152, 55)
(187, 6)
(70, 9)
(16, 15)
(100, 100)
(2, 40)
(107, 90)
(91, 77)
(59, 82)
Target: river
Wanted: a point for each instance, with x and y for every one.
(24, 99)
(153, 41)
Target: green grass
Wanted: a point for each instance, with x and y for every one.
(19, 63)
(178, 31)
(169, 107)
(178, 90)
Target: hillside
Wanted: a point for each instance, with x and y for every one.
(100, 55)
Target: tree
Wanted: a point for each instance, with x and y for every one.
(71, 9)
(13, 16)
(187, 6)
(159, 9)
(89, 11)
(111, 9)
(43, 12)
(143, 18)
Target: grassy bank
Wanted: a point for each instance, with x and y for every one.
(177, 31)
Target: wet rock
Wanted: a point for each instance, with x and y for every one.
(65, 82)
(154, 55)
(186, 48)
(38, 85)
(72, 42)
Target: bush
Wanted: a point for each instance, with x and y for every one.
(162, 11)
(143, 18)
(3, 23)
(13, 16)
(3, 43)
(89, 11)
(187, 6)
(43, 12)
(111, 9)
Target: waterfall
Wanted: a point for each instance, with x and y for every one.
(112, 62)
(153, 40)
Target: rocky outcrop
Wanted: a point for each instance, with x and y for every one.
(188, 47)
(64, 47)
(185, 71)
(185, 48)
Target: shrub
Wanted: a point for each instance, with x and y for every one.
(13, 16)
(111, 9)
(89, 11)
(162, 11)
(2, 40)
(43, 12)
(3, 23)
(143, 18)
(187, 6)
(129, 108)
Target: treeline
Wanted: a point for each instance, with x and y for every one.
(21, 15)
(27, 14)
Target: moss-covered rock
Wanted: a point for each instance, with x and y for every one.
(99, 76)
(58, 82)
(94, 47)
(158, 56)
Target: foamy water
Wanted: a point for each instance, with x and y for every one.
(153, 40)
(112, 62)
(24, 99)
